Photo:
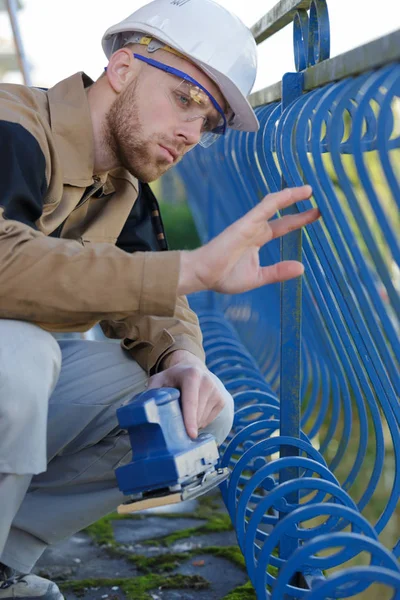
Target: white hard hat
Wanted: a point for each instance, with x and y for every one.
(210, 36)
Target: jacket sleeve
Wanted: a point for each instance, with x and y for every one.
(61, 284)
(150, 338)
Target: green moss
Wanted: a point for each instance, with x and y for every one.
(138, 587)
(170, 539)
(231, 553)
(195, 582)
(217, 523)
(101, 532)
(154, 567)
(170, 561)
(207, 505)
(243, 592)
(158, 564)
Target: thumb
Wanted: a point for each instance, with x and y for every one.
(281, 271)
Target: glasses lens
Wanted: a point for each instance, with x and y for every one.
(208, 138)
(192, 103)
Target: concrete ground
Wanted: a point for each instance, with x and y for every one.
(185, 552)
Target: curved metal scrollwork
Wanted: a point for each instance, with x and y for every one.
(325, 519)
(258, 503)
(344, 140)
(311, 35)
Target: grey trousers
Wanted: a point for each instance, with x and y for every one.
(59, 437)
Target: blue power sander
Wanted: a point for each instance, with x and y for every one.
(167, 465)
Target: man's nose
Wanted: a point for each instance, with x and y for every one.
(191, 130)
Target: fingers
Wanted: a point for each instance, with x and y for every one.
(280, 200)
(257, 228)
(201, 399)
(210, 405)
(186, 380)
(284, 225)
(190, 400)
(213, 414)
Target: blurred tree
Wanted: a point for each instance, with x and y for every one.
(177, 218)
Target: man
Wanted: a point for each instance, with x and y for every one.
(79, 230)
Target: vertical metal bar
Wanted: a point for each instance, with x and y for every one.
(211, 295)
(22, 61)
(291, 246)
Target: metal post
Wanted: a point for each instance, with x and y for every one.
(212, 301)
(291, 246)
(22, 61)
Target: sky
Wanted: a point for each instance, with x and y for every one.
(63, 37)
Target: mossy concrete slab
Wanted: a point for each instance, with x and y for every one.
(194, 542)
(128, 532)
(79, 558)
(96, 593)
(222, 575)
(186, 552)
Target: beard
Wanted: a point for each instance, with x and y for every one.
(124, 137)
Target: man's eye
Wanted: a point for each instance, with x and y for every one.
(182, 100)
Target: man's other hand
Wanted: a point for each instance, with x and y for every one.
(202, 393)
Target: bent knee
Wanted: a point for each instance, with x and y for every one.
(30, 364)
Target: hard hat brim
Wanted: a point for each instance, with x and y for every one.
(244, 116)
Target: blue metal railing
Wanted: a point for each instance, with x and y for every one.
(328, 344)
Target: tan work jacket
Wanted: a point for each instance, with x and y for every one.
(65, 263)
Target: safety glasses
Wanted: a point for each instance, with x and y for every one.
(192, 101)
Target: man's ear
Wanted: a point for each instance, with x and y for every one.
(120, 69)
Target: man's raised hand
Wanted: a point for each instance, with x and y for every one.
(230, 262)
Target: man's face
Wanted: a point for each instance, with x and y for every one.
(144, 129)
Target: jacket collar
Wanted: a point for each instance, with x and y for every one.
(71, 125)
